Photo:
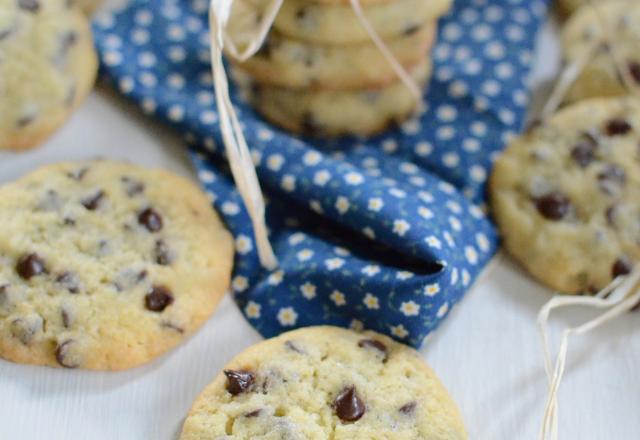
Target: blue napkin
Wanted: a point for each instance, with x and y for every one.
(385, 233)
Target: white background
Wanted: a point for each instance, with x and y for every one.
(487, 353)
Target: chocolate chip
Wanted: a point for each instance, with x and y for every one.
(267, 47)
(131, 186)
(93, 202)
(254, 413)
(610, 215)
(408, 408)
(301, 13)
(25, 120)
(29, 5)
(553, 206)
(4, 295)
(150, 219)
(67, 355)
(65, 314)
(411, 30)
(30, 265)
(293, 347)
(26, 328)
(584, 151)
(621, 267)
(158, 299)
(239, 381)
(78, 174)
(348, 406)
(373, 344)
(618, 127)
(69, 281)
(611, 179)
(162, 253)
(634, 71)
(69, 221)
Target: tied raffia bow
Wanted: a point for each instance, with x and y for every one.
(238, 152)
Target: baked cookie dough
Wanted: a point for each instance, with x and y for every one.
(336, 113)
(568, 7)
(294, 64)
(47, 67)
(88, 6)
(322, 383)
(105, 265)
(334, 22)
(600, 77)
(566, 195)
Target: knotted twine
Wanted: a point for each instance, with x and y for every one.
(238, 153)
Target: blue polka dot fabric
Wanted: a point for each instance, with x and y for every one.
(385, 233)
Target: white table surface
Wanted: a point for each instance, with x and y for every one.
(487, 353)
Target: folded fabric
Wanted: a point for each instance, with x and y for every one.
(385, 233)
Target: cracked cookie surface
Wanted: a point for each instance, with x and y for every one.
(566, 195)
(325, 383)
(47, 67)
(106, 265)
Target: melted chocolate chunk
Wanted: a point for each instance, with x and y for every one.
(131, 186)
(69, 221)
(25, 120)
(375, 345)
(310, 126)
(408, 408)
(162, 253)
(634, 71)
(267, 47)
(621, 267)
(254, 413)
(348, 406)
(239, 381)
(29, 5)
(69, 281)
(78, 174)
(553, 206)
(585, 151)
(158, 299)
(150, 219)
(611, 178)
(618, 127)
(301, 13)
(66, 354)
(93, 202)
(30, 266)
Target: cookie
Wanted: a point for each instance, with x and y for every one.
(330, 113)
(294, 64)
(47, 67)
(600, 77)
(336, 23)
(88, 6)
(105, 265)
(566, 195)
(325, 383)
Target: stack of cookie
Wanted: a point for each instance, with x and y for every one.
(319, 73)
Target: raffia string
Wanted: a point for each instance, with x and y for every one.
(573, 70)
(238, 152)
(618, 298)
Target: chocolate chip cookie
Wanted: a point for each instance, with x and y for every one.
(601, 76)
(105, 265)
(325, 383)
(291, 63)
(47, 67)
(328, 113)
(566, 195)
(88, 6)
